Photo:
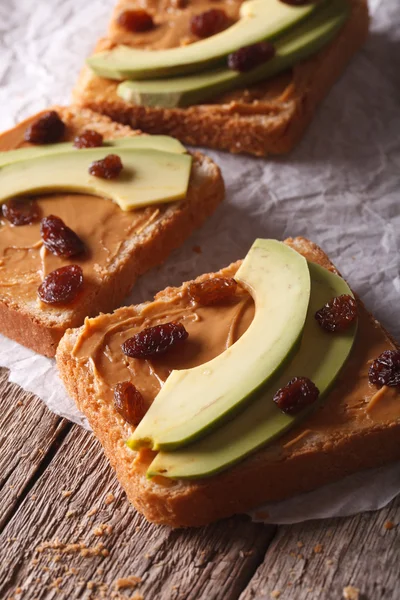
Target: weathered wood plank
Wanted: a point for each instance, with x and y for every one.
(319, 559)
(71, 503)
(28, 431)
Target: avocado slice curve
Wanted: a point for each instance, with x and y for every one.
(194, 400)
(164, 143)
(298, 44)
(148, 176)
(259, 20)
(321, 357)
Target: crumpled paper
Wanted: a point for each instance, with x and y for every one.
(340, 188)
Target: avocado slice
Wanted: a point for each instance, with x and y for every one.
(259, 20)
(156, 142)
(149, 176)
(194, 400)
(321, 357)
(306, 39)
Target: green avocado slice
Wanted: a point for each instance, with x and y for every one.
(321, 357)
(259, 20)
(156, 142)
(306, 39)
(194, 400)
(148, 176)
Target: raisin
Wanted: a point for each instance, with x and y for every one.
(47, 129)
(209, 22)
(154, 340)
(136, 21)
(20, 211)
(129, 402)
(338, 314)
(385, 370)
(106, 168)
(298, 2)
(62, 285)
(299, 393)
(88, 139)
(249, 57)
(60, 239)
(212, 291)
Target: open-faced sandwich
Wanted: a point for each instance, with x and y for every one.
(259, 382)
(245, 76)
(88, 205)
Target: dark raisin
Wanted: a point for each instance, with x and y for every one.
(212, 291)
(385, 370)
(60, 239)
(88, 139)
(154, 340)
(249, 57)
(338, 314)
(209, 22)
(299, 393)
(47, 129)
(136, 21)
(62, 285)
(298, 2)
(129, 402)
(106, 168)
(20, 211)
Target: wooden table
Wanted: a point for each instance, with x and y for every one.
(67, 531)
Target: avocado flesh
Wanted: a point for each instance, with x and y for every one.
(148, 176)
(259, 20)
(194, 400)
(320, 357)
(156, 142)
(305, 40)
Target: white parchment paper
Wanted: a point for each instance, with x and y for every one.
(340, 188)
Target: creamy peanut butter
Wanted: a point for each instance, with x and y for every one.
(211, 330)
(101, 224)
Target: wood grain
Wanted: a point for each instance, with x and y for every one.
(28, 434)
(318, 559)
(214, 562)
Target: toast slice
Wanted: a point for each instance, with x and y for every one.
(357, 427)
(266, 118)
(123, 245)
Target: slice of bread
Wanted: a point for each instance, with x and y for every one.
(146, 239)
(355, 428)
(267, 118)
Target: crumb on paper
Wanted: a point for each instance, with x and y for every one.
(66, 493)
(91, 585)
(92, 511)
(73, 548)
(70, 514)
(329, 561)
(318, 548)
(275, 593)
(127, 582)
(56, 583)
(389, 525)
(109, 499)
(351, 593)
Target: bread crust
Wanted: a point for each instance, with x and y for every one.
(30, 326)
(259, 127)
(255, 480)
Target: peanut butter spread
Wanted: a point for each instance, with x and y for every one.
(172, 28)
(349, 407)
(101, 224)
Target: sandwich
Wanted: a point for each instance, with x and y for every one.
(87, 206)
(237, 76)
(259, 382)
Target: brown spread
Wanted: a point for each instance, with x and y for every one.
(213, 328)
(100, 223)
